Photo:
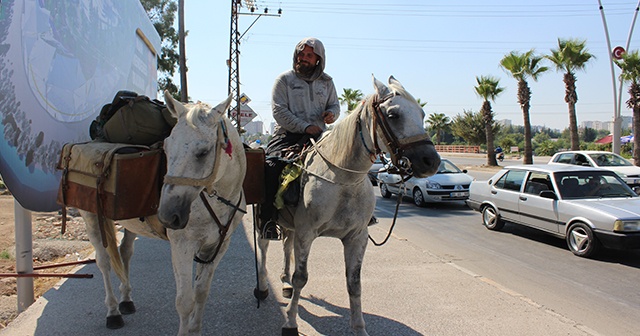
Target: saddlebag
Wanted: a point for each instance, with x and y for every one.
(253, 185)
(117, 181)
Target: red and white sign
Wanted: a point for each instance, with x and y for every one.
(246, 114)
(618, 52)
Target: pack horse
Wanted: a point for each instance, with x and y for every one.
(201, 203)
(337, 198)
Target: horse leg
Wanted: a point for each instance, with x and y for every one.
(302, 247)
(114, 318)
(285, 277)
(126, 305)
(182, 252)
(354, 248)
(202, 287)
(262, 292)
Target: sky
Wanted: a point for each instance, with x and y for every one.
(435, 48)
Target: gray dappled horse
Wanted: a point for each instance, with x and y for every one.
(337, 198)
(200, 205)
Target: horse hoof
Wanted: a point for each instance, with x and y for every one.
(287, 293)
(260, 295)
(127, 307)
(115, 322)
(289, 331)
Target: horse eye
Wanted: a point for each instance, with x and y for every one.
(202, 153)
(393, 115)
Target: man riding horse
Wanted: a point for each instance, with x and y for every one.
(304, 100)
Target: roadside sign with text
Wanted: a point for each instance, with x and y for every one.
(246, 114)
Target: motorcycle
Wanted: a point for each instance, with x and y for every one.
(500, 156)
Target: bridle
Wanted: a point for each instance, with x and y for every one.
(207, 183)
(397, 146)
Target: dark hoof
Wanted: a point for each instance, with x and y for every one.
(289, 331)
(115, 322)
(127, 307)
(287, 293)
(260, 295)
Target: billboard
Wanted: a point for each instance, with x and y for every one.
(60, 61)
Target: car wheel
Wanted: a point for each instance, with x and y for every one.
(581, 240)
(384, 191)
(418, 197)
(490, 219)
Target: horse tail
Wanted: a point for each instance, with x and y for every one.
(114, 254)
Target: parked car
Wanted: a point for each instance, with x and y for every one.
(589, 207)
(373, 172)
(448, 184)
(601, 159)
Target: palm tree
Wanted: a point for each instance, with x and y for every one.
(421, 103)
(630, 66)
(570, 56)
(488, 89)
(522, 66)
(351, 98)
(438, 122)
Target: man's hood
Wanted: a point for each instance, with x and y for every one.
(318, 49)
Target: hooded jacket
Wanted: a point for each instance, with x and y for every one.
(298, 103)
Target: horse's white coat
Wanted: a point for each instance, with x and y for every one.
(336, 202)
(196, 145)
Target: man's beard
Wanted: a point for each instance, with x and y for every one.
(305, 69)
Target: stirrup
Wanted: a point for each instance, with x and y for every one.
(271, 230)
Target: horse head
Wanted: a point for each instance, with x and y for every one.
(400, 129)
(197, 157)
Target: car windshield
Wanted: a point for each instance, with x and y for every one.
(609, 160)
(447, 167)
(590, 184)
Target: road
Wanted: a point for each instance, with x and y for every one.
(600, 293)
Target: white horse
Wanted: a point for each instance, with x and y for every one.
(200, 206)
(337, 198)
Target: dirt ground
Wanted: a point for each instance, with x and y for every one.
(49, 247)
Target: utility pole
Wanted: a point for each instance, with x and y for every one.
(234, 53)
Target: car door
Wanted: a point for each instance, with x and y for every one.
(536, 211)
(505, 194)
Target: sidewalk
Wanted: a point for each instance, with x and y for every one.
(406, 291)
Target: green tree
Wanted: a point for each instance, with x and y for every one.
(570, 56)
(421, 103)
(470, 127)
(350, 98)
(439, 122)
(162, 14)
(630, 66)
(522, 66)
(488, 89)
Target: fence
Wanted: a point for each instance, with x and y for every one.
(458, 149)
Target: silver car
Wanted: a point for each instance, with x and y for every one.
(448, 184)
(605, 160)
(588, 207)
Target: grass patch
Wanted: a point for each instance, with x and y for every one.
(5, 255)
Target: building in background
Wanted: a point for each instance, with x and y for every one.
(254, 127)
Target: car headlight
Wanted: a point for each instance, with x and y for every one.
(433, 185)
(621, 174)
(626, 226)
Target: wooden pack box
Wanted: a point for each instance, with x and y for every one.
(118, 181)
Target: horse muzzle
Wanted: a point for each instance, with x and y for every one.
(174, 210)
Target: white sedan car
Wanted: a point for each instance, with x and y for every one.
(449, 184)
(600, 159)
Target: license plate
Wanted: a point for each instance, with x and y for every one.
(459, 194)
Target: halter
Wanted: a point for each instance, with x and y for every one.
(207, 183)
(397, 146)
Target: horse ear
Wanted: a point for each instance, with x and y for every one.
(224, 105)
(175, 107)
(394, 82)
(381, 89)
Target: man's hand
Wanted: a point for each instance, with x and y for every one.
(328, 117)
(313, 130)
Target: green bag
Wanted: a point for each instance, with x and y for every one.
(132, 119)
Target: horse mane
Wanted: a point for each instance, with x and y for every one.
(345, 131)
(194, 111)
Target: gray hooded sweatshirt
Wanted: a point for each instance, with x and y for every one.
(298, 102)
